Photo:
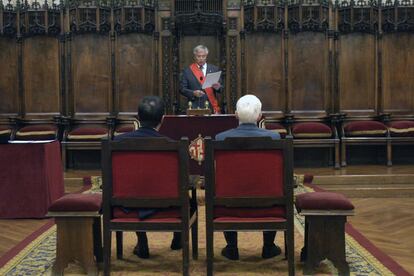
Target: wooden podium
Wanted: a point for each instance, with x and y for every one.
(196, 128)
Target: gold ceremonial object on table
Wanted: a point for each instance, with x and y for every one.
(198, 111)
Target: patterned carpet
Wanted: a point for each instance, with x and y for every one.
(37, 258)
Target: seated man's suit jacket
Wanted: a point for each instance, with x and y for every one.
(247, 130)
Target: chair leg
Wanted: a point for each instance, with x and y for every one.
(64, 164)
(291, 249)
(119, 244)
(337, 156)
(186, 252)
(209, 247)
(107, 250)
(97, 239)
(194, 237)
(389, 153)
(343, 154)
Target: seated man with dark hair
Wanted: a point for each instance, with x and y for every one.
(150, 113)
(249, 111)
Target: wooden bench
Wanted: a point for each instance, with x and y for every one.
(78, 221)
(325, 217)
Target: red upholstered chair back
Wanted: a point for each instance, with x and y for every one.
(145, 174)
(249, 173)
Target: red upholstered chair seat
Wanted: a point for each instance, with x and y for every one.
(365, 128)
(88, 133)
(248, 220)
(118, 213)
(276, 127)
(124, 129)
(5, 132)
(77, 203)
(401, 128)
(323, 201)
(37, 132)
(159, 220)
(311, 130)
(248, 212)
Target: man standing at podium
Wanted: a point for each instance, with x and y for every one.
(193, 77)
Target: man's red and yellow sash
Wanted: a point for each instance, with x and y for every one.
(209, 91)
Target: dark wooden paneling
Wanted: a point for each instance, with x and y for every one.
(41, 76)
(398, 73)
(91, 74)
(9, 103)
(357, 74)
(265, 70)
(134, 55)
(308, 73)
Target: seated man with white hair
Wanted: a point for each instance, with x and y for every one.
(248, 112)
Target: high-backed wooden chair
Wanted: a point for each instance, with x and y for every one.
(401, 132)
(37, 128)
(249, 186)
(363, 131)
(84, 134)
(147, 173)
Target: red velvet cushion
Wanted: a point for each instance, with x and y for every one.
(145, 174)
(168, 213)
(248, 212)
(154, 220)
(277, 127)
(38, 128)
(88, 133)
(124, 129)
(37, 132)
(323, 201)
(251, 173)
(311, 130)
(5, 131)
(247, 220)
(401, 128)
(77, 203)
(365, 128)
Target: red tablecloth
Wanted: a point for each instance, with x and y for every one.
(31, 178)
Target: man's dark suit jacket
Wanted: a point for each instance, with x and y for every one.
(141, 132)
(189, 83)
(247, 130)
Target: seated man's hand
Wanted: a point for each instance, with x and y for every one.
(198, 93)
(216, 86)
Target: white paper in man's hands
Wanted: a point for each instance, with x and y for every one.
(211, 78)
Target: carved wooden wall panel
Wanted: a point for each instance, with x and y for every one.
(398, 73)
(265, 70)
(357, 74)
(41, 76)
(91, 74)
(134, 70)
(9, 90)
(308, 73)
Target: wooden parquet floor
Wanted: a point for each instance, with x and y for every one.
(387, 222)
